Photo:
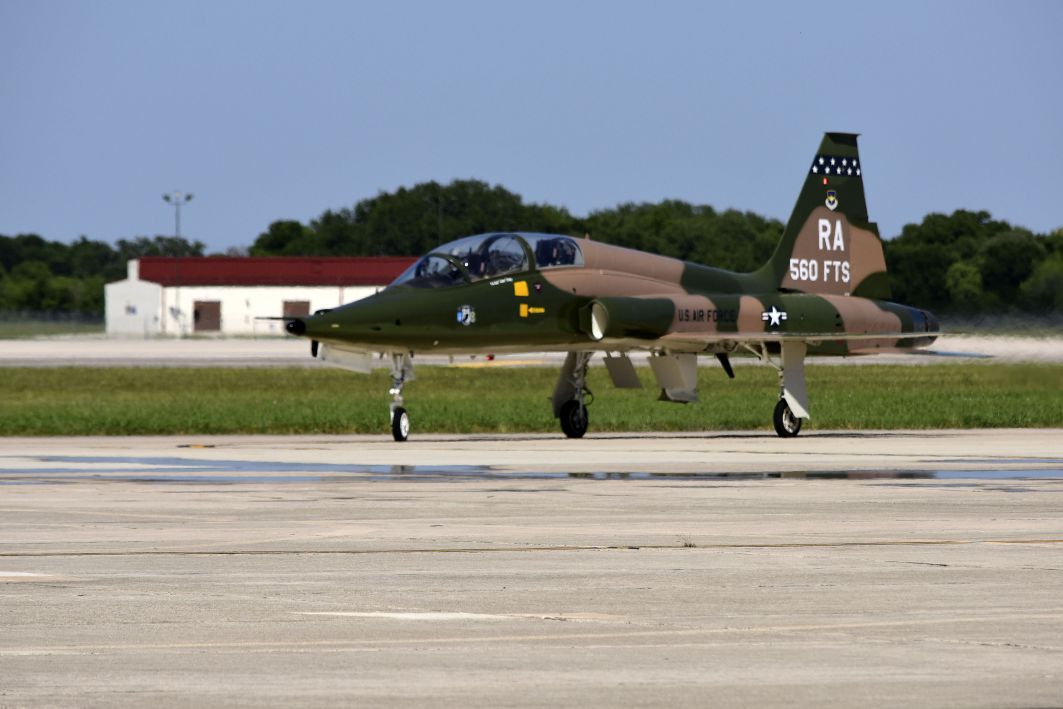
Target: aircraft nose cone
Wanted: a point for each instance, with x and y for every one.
(295, 327)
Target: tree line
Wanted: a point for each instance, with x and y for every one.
(40, 276)
(967, 263)
(961, 263)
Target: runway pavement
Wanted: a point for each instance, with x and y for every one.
(96, 351)
(848, 569)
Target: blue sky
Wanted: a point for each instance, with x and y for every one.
(280, 110)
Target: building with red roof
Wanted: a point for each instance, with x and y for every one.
(226, 295)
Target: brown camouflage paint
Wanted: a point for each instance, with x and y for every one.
(842, 255)
(615, 271)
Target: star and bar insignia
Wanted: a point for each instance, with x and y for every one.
(773, 317)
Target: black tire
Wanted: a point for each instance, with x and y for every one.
(574, 419)
(786, 424)
(400, 424)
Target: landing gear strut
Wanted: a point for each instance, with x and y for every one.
(401, 372)
(793, 394)
(571, 394)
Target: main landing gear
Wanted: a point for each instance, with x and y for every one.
(792, 407)
(786, 424)
(401, 372)
(571, 394)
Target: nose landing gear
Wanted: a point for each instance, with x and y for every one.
(401, 372)
(400, 423)
(571, 394)
(574, 420)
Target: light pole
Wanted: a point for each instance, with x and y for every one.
(177, 199)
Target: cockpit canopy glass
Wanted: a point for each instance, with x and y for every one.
(551, 250)
(488, 256)
(475, 258)
(432, 271)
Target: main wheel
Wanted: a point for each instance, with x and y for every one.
(400, 424)
(574, 419)
(786, 424)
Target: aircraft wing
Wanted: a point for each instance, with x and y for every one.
(714, 337)
(692, 341)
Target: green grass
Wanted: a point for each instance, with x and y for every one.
(120, 401)
(22, 329)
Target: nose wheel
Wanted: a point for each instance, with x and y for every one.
(574, 420)
(401, 372)
(571, 395)
(400, 424)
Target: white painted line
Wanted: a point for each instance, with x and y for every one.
(21, 574)
(412, 615)
(451, 615)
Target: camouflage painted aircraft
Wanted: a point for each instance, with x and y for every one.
(823, 292)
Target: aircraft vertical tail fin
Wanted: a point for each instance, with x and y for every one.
(829, 246)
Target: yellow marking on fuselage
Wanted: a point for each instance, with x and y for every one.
(520, 289)
(525, 310)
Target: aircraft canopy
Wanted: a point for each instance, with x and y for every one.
(475, 258)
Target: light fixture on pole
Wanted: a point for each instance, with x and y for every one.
(177, 199)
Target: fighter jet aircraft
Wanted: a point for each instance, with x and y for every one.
(823, 292)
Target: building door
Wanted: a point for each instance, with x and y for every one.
(206, 316)
(296, 308)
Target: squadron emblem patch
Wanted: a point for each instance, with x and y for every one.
(832, 200)
(466, 315)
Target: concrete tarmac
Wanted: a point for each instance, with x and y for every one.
(97, 351)
(850, 569)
